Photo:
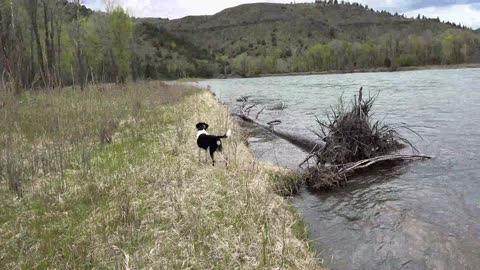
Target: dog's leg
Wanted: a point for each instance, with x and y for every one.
(199, 159)
(224, 158)
(212, 151)
(206, 156)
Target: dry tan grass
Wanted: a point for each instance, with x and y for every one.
(145, 201)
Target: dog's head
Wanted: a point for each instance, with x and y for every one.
(202, 126)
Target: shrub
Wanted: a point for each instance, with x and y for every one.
(286, 182)
(406, 61)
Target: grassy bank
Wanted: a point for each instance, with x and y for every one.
(69, 199)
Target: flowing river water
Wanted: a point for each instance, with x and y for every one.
(424, 215)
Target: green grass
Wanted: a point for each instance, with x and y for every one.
(286, 182)
(69, 201)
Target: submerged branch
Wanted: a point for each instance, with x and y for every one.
(349, 168)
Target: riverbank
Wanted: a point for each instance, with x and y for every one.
(350, 71)
(110, 177)
(382, 69)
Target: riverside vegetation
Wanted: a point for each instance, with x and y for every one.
(109, 177)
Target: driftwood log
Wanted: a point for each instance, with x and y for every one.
(300, 141)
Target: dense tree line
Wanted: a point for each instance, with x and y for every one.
(451, 47)
(58, 42)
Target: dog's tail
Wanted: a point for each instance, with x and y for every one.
(227, 135)
(219, 143)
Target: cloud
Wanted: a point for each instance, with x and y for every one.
(408, 5)
(386, 4)
(180, 8)
(466, 14)
(94, 4)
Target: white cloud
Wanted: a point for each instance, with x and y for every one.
(464, 14)
(389, 5)
(383, 3)
(94, 4)
(180, 8)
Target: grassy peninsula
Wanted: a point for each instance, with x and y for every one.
(109, 178)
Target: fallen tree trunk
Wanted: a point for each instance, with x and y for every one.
(300, 141)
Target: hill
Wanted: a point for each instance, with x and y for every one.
(252, 39)
(292, 26)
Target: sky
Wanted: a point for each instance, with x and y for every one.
(466, 12)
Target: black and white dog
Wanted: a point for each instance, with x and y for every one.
(210, 142)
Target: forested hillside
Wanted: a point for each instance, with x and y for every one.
(59, 42)
(269, 38)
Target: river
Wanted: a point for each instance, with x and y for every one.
(424, 215)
